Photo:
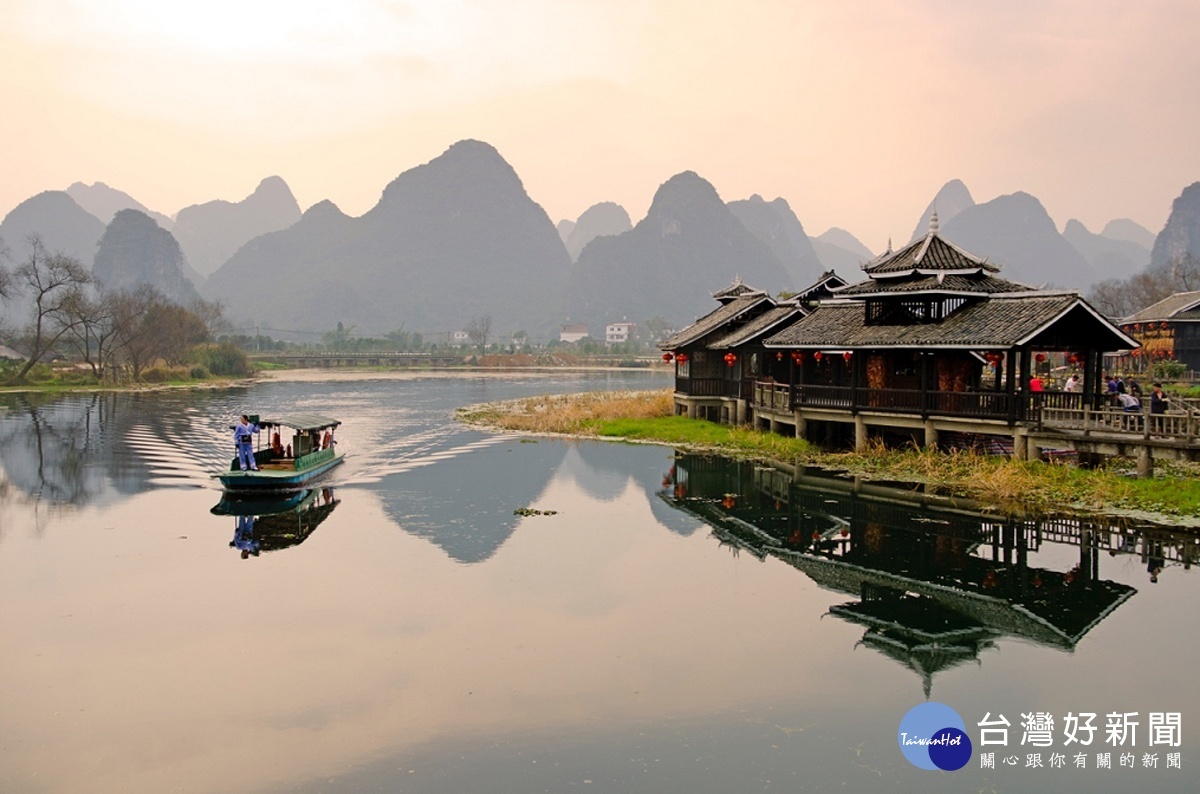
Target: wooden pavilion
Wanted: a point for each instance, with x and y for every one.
(932, 340)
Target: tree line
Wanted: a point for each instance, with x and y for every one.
(61, 311)
(1122, 297)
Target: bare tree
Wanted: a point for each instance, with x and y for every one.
(136, 344)
(91, 331)
(6, 284)
(478, 330)
(51, 281)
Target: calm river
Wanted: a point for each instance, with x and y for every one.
(673, 623)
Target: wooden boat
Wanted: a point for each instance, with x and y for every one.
(299, 449)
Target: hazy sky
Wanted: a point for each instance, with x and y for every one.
(855, 112)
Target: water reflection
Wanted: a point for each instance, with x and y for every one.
(79, 449)
(934, 586)
(278, 521)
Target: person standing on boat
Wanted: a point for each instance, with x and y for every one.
(243, 438)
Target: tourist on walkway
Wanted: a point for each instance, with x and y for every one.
(1158, 400)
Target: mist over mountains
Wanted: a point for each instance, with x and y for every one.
(459, 237)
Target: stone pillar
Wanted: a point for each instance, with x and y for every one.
(931, 435)
(1032, 450)
(773, 424)
(801, 425)
(860, 434)
(1145, 461)
(741, 411)
(1020, 444)
(693, 410)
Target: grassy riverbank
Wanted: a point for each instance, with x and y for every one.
(1029, 485)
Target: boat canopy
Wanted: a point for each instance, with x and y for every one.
(301, 422)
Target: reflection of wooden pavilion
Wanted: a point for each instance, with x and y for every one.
(935, 586)
(932, 340)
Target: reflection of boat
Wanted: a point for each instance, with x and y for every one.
(265, 524)
(310, 452)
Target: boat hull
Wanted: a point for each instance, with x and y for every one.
(276, 479)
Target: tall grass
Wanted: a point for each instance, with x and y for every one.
(647, 416)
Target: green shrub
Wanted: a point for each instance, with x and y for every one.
(164, 374)
(198, 373)
(225, 359)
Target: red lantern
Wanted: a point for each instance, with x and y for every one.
(730, 358)
(846, 356)
(728, 502)
(1040, 357)
(1163, 325)
(779, 356)
(817, 356)
(667, 357)
(1072, 359)
(682, 358)
(798, 356)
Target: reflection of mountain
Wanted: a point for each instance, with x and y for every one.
(604, 470)
(464, 505)
(935, 585)
(279, 522)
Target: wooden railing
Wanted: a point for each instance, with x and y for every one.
(981, 404)
(1176, 425)
(704, 387)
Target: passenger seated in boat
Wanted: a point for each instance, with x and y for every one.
(327, 440)
(277, 445)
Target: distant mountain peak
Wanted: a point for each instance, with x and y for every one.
(604, 219)
(951, 199)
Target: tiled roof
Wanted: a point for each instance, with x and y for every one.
(759, 325)
(828, 281)
(930, 253)
(1166, 308)
(737, 289)
(998, 322)
(715, 319)
(981, 283)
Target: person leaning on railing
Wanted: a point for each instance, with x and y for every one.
(1158, 400)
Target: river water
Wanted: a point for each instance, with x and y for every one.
(667, 623)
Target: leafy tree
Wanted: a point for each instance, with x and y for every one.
(52, 281)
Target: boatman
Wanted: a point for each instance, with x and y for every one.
(243, 438)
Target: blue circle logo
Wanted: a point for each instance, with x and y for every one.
(933, 736)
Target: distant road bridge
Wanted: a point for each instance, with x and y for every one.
(327, 360)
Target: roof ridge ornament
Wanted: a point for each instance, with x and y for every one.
(933, 222)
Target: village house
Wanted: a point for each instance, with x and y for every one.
(619, 333)
(1168, 330)
(572, 333)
